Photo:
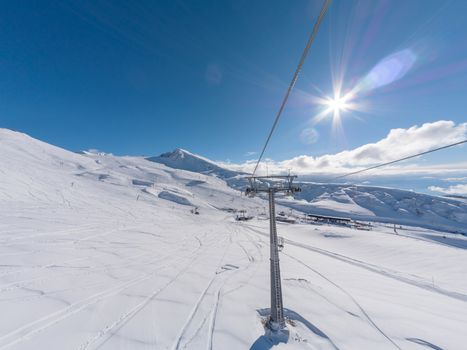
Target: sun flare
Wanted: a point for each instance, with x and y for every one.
(337, 103)
(334, 107)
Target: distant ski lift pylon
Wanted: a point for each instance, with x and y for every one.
(280, 243)
(242, 216)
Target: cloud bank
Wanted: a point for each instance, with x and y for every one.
(460, 189)
(397, 144)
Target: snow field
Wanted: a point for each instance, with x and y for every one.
(91, 257)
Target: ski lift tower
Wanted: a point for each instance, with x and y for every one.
(272, 185)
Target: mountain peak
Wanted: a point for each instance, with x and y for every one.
(180, 153)
(180, 158)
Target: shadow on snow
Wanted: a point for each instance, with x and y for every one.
(268, 340)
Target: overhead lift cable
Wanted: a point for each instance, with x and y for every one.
(294, 79)
(401, 159)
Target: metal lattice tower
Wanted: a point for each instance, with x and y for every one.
(273, 185)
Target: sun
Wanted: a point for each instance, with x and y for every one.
(337, 103)
(334, 107)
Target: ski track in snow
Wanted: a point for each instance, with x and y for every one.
(28, 330)
(178, 344)
(87, 271)
(379, 270)
(220, 279)
(352, 298)
(88, 252)
(212, 320)
(127, 316)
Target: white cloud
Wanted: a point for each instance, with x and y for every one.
(249, 154)
(397, 144)
(460, 189)
(456, 179)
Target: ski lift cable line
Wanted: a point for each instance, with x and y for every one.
(401, 159)
(294, 79)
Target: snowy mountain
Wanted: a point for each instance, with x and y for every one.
(358, 202)
(383, 205)
(182, 159)
(104, 252)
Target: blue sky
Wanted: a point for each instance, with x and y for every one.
(144, 77)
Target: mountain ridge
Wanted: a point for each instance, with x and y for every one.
(58, 168)
(363, 202)
(186, 160)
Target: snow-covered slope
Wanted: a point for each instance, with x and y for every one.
(384, 205)
(35, 172)
(182, 159)
(357, 202)
(103, 252)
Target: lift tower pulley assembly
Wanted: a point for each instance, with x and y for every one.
(272, 185)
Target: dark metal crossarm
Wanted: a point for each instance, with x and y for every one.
(256, 185)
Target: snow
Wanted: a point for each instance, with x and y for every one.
(100, 251)
(358, 202)
(384, 205)
(182, 159)
(174, 198)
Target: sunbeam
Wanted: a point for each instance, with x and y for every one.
(334, 107)
(387, 71)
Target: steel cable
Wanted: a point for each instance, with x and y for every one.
(294, 79)
(400, 160)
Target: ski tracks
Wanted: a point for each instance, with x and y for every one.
(124, 318)
(191, 329)
(350, 296)
(180, 337)
(27, 331)
(376, 269)
(127, 316)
